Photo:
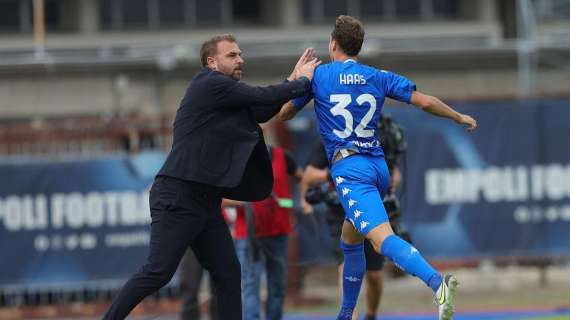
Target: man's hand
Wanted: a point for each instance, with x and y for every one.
(307, 207)
(308, 55)
(468, 121)
(308, 69)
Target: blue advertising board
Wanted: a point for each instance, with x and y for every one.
(503, 190)
(74, 222)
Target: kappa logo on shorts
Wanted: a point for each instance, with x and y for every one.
(351, 202)
(357, 213)
(345, 191)
(339, 180)
(363, 224)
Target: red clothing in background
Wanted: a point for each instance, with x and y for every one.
(270, 219)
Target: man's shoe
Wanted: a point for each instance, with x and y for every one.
(445, 297)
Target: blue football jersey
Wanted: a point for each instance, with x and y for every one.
(348, 98)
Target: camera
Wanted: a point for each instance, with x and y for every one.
(323, 192)
(392, 140)
(326, 193)
(392, 205)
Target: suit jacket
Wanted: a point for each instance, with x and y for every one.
(217, 140)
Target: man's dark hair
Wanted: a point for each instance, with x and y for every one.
(210, 47)
(349, 34)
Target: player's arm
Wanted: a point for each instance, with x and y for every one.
(292, 107)
(402, 89)
(288, 111)
(433, 105)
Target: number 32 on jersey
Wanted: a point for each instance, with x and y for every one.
(342, 101)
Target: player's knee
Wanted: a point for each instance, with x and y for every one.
(351, 240)
(378, 234)
(350, 235)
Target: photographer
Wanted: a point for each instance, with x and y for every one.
(317, 187)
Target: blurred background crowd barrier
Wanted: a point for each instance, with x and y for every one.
(88, 90)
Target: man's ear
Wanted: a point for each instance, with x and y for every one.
(212, 64)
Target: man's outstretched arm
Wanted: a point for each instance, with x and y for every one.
(437, 107)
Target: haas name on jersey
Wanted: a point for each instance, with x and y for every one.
(352, 78)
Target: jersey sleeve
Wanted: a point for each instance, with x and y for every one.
(396, 86)
(301, 102)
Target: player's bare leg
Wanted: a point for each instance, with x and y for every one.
(350, 235)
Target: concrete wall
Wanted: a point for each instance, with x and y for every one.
(53, 94)
(47, 90)
(61, 94)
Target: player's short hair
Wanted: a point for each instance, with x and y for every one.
(210, 47)
(349, 34)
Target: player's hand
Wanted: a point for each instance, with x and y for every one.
(468, 121)
(308, 69)
(308, 55)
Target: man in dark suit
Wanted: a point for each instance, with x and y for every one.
(218, 152)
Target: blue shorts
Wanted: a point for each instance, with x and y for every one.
(361, 182)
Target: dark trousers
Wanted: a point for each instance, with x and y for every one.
(191, 271)
(185, 214)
